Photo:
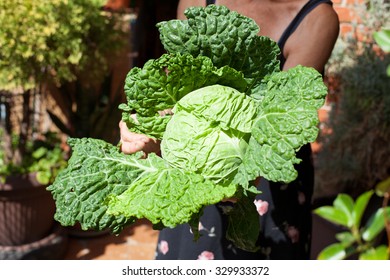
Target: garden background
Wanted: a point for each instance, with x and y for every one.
(81, 97)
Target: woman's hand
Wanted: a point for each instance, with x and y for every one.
(134, 142)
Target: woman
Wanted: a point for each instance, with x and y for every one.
(306, 32)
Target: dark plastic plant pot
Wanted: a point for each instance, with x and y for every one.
(51, 247)
(26, 211)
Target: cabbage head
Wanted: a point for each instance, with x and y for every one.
(209, 132)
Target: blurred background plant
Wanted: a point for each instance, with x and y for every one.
(354, 162)
(355, 156)
(363, 241)
(54, 56)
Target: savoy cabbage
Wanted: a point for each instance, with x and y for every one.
(236, 117)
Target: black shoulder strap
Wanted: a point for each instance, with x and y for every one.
(307, 8)
(209, 2)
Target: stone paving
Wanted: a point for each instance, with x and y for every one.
(137, 242)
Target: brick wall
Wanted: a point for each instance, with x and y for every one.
(350, 12)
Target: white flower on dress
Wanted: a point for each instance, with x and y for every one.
(163, 247)
(261, 206)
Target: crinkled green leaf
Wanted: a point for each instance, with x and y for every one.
(225, 36)
(95, 170)
(376, 224)
(208, 132)
(287, 120)
(168, 196)
(104, 188)
(163, 81)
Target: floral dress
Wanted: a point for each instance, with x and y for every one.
(284, 211)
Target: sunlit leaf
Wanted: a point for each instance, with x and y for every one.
(383, 39)
(376, 224)
(379, 253)
(346, 238)
(383, 187)
(345, 203)
(333, 215)
(360, 207)
(335, 251)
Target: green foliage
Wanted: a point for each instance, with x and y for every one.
(230, 125)
(360, 240)
(362, 112)
(383, 40)
(44, 157)
(52, 40)
(51, 44)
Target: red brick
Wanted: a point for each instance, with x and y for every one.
(345, 14)
(363, 34)
(346, 28)
(349, 2)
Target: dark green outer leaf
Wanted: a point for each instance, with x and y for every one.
(244, 227)
(95, 170)
(104, 188)
(164, 81)
(225, 36)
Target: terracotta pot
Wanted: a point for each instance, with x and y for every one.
(26, 211)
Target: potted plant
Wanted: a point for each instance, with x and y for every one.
(43, 45)
(365, 239)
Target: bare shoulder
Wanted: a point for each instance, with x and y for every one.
(313, 41)
(184, 4)
(325, 16)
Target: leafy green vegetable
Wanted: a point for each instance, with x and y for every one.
(286, 121)
(236, 117)
(95, 170)
(227, 37)
(163, 82)
(214, 126)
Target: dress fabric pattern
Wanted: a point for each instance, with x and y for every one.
(284, 210)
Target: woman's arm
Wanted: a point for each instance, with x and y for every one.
(312, 43)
